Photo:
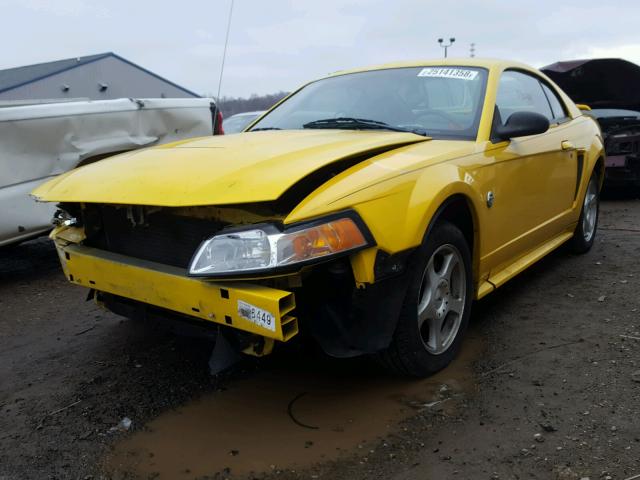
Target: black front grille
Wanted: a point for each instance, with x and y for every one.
(158, 237)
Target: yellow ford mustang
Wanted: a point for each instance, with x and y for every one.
(367, 210)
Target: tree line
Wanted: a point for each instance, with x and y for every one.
(232, 105)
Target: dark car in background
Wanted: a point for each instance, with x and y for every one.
(621, 132)
(610, 87)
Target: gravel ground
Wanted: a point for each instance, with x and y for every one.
(548, 387)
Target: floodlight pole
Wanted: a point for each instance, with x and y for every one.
(446, 45)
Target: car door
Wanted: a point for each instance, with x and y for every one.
(529, 181)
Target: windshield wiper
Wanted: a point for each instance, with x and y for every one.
(264, 128)
(349, 123)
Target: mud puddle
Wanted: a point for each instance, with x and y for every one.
(290, 416)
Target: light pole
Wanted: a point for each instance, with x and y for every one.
(447, 45)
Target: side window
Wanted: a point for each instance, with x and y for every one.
(518, 92)
(556, 104)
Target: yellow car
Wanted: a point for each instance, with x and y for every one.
(367, 210)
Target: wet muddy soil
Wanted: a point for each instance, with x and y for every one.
(547, 386)
(289, 415)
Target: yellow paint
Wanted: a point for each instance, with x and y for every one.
(485, 288)
(510, 271)
(170, 288)
(68, 234)
(216, 170)
(396, 193)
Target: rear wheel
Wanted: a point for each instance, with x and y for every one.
(436, 310)
(585, 232)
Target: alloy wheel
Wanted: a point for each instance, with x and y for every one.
(590, 211)
(442, 299)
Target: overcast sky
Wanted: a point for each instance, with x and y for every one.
(278, 44)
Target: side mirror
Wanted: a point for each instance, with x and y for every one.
(583, 107)
(522, 124)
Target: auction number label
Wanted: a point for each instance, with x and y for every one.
(256, 315)
(443, 72)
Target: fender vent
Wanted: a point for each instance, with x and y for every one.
(580, 167)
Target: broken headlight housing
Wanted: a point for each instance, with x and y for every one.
(63, 218)
(266, 249)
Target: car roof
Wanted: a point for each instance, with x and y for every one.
(489, 63)
(243, 114)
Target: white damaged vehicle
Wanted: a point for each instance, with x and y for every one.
(40, 141)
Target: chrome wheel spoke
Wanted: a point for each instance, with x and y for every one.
(435, 334)
(425, 305)
(449, 263)
(456, 305)
(425, 314)
(431, 273)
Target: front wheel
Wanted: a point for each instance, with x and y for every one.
(585, 232)
(436, 310)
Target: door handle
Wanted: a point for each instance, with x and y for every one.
(567, 145)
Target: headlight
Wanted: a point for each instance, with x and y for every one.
(266, 248)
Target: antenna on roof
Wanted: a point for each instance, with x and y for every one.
(224, 56)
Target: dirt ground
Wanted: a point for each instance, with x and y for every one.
(547, 387)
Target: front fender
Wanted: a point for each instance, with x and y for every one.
(397, 210)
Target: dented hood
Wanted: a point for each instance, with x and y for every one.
(245, 168)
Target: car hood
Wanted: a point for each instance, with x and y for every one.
(245, 168)
(599, 83)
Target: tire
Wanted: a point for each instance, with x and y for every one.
(585, 232)
(434, 292)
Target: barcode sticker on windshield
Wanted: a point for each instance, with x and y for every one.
(443, 72)
(256, 315)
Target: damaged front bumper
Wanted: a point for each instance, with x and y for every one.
(345, 316)
(256, 309)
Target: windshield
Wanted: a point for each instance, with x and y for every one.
(442, 102)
